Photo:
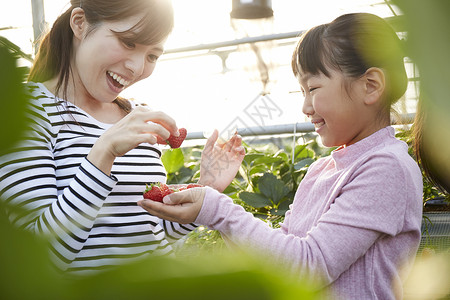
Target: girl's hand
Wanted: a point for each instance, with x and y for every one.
(220, 162)
(182, 207)
(141, 125)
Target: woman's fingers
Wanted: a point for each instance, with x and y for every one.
(162, 119)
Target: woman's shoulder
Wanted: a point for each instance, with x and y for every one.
(39, 95)
(43, 107)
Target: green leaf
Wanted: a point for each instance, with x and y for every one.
(284, 156)
(255, 200)
(14, 102)
(268, 160)
(299, 149)
(250, 157)
(272, 187)
(173, 160)
(259, 169)
(303, 163)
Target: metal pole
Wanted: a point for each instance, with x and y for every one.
(303, 127)
(37, 8)
(396, 22)
(246, 40)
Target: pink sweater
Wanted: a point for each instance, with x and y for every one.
(355, 220)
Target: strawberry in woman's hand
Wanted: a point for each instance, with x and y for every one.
(176, 141)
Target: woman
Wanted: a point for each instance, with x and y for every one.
(88, 154)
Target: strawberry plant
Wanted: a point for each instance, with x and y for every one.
(270, 174)
(265, 184)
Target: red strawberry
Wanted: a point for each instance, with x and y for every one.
(193, 185)
(153, 192)
(176, 141)
(166, 190)
(157, 191)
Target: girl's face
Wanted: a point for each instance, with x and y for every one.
(105, 65)
(339, 119)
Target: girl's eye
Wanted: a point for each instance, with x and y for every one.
(312, 89)
(152, 58)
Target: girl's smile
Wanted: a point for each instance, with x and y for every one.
(318, 124)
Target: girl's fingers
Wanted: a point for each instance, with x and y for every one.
(211, 140)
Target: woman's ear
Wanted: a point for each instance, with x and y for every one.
(78, 22)
(374, 85)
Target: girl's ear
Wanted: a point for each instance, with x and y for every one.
(374, 85)
(78, 22)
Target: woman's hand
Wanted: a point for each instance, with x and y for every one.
(141, 125)
(220, 162)
(182, 207)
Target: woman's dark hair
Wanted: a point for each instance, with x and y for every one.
(352, 44)
(55, 50)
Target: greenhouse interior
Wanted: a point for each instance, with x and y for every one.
(231, 73)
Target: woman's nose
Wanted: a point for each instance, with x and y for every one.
(136, 64)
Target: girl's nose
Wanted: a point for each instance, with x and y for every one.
(307, 108)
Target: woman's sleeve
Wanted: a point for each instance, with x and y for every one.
(175, 231)
(28, 188)
(370, 206)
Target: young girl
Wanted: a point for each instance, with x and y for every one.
(88, 154)
(356, 217)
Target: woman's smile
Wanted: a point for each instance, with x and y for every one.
(116, 82)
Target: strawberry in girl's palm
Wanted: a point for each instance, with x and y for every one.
(157, 191)
(176, 141)
(193, 185)
(153, 192)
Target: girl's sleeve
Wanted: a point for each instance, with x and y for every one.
(372, 205)
(28, 188)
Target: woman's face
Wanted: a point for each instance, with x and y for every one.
(104, 65)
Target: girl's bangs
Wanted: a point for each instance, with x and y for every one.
(310, 52)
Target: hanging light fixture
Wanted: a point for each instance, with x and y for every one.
(251, 9)
(251, 18)
(254, 18)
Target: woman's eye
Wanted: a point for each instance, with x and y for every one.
(152, 58)
(129, 45)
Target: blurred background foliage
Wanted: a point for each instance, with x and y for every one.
(264, 186)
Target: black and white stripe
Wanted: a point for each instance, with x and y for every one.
(92, 219)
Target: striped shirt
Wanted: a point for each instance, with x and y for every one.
(91, 219)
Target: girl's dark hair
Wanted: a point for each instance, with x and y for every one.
(352, 44)
(55, 50)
